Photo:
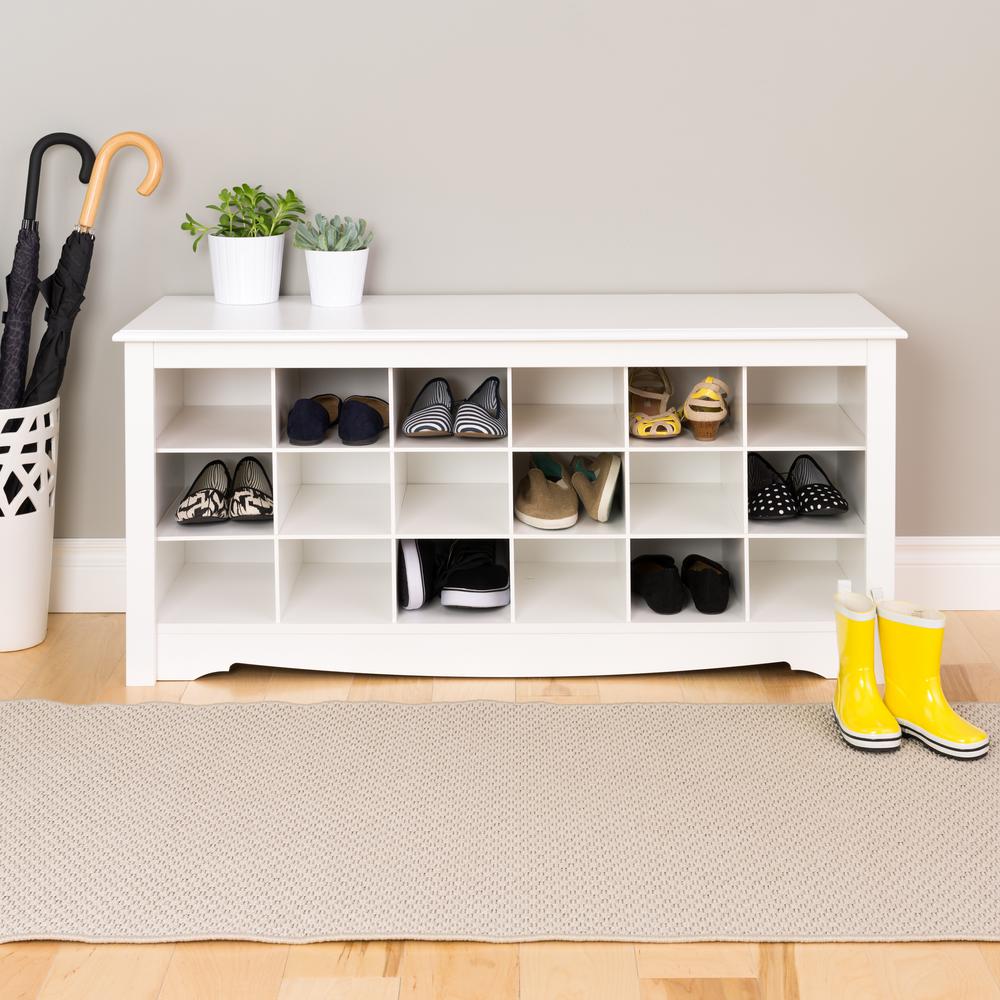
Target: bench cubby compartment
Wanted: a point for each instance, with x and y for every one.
(569, 580)
(213, 409)
(683, 380)
(728, 552)
(568, 409)
(455, 494)
(814, 408)
(219, 581)
(343, 581)
(330, 494)
(291, 384)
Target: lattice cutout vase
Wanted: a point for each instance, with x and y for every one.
(29, 443)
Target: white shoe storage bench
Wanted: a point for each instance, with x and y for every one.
(316, 588)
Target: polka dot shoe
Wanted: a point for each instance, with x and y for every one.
(814, 493)
(770, 497)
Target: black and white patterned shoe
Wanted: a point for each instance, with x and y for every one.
(482, 415)
(471, 577)
(252, 498)
(432, 412)
(770, 497)
(815, 495)
(207, 499)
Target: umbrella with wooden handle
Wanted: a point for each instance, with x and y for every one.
(63, 289)
(22, 282)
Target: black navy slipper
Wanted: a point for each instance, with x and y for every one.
(310, 419)
(708, 583)
(656, 580)
(363, 419)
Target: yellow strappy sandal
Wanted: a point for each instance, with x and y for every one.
(706, 407)
(649, 391)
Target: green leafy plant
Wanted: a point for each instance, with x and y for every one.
(248, 211)
(333, 234)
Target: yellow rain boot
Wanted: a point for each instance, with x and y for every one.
(911, 639)
(862, 717)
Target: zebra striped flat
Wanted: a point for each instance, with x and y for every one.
(252, 498)
(431, 412)
(482, 415)
(207, 499)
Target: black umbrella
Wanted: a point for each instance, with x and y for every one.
(63, 289)
(22, 282)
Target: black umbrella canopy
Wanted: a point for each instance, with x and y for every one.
(22, 282)
(22, 292)
(63, 292)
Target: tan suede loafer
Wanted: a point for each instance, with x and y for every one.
(545, 498)
(595, 479)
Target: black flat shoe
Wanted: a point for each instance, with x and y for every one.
(770, 497)
(656, 580)
(363, 419)
(310, 419)
(815, 495)
(708, 583)
(207, 499)
(252, 498)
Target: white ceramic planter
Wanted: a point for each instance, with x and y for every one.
(246, 271)
(336, 278)
(29, 446)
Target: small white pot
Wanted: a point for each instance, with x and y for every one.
(246, 270)
(336, 277)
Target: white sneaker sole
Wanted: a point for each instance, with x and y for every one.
(415, 590)
(961, 751)
(546, 523)
(865, 741)
(451, 598)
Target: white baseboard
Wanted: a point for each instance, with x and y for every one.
(951, 572)
(88, 574)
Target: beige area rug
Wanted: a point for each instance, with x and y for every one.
(486, 821)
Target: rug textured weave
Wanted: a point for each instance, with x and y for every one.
(485, 820)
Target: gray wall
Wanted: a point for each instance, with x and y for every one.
(523, 145)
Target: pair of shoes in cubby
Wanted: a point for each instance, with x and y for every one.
(216, 496)
(656, 579)
(359, 420)
(435, 412)
(806, 490)
(464, 573)
(549, 495)
(649, 390)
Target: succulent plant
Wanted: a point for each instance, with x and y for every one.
(248, 211)
(333, 234)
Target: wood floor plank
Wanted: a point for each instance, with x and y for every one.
(341, 959)
(440, 970)
(699, 989)
(824, 971)
(80, 657)
(627, 688)
(412, 690)
(991, 955)
(241, 683)
(570, 970)
(730, 684)
(698, 960)
(947, 970)
(776, 976)
(474, 689)
(356, 988)
(307, 686)
(24, 966)
(795, 687)
(86, 971)
(559, 690)
(960, 642)
(224, 970)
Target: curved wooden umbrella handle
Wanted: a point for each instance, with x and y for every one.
(154, 171)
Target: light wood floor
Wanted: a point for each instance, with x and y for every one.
(81, 661)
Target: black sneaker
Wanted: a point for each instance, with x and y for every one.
(471, 577)
(416, 578)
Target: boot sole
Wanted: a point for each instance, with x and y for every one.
(873, 744)
(941, 746)
(453, 598)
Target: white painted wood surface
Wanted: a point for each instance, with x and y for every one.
(317, 587)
